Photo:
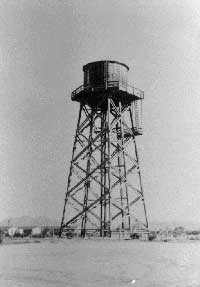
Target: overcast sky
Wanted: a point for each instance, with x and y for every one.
(43, 46)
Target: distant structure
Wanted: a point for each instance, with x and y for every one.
(104, 189)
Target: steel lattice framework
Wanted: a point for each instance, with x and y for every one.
(104, 189)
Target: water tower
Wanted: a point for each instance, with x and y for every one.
(104, 189)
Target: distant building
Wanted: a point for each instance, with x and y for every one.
(12, 231)
(36, 231)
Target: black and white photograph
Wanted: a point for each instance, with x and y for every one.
(99, 143)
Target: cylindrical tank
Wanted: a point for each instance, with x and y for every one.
(105, 74)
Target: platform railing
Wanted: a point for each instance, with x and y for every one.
(78, 90)
(111, 84)
(135, 91)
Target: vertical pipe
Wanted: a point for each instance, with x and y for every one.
(87, 184)
(118, 130)
(109, 169)
(105, 176)
(102, 174)
(125, 171)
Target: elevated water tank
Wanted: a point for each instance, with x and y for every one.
(105, 74)
(103, 79)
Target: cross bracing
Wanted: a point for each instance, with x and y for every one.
(104, 189)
